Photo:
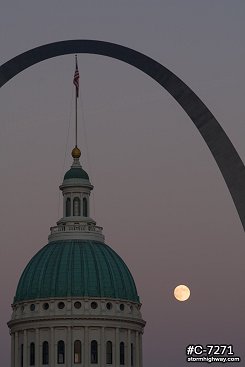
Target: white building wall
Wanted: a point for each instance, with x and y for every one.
(37, 324)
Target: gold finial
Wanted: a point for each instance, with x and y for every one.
(76, 152)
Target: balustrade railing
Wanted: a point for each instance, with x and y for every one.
(76, 228)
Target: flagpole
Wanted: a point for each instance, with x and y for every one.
(76, 107)
(76, 83)
(76, 121)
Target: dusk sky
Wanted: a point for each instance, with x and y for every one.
(158, 192)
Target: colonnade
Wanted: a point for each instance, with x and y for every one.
(21, 340)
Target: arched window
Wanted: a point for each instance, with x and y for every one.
(61, 352)
(68, 207)
(94, 351)
(21, 355)
(132, 354)
(109, 352)
(32, 354)
(122, 354)
(76, 206)
(77, 351)
(45, 353)
(85, 207)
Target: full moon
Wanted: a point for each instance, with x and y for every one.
(182, 292)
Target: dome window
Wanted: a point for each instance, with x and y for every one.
(122, 354)
(94, 305)
(32, 307)
(76, 207)
(68, 207)
(77, 305)
(109, 306)
(61, 352)
(61, 305)
(94, 352)
(45, 306)
(32, 354)
(77, 351)
(45, 354)
(122, 307)
(109, 352)
(85, 207)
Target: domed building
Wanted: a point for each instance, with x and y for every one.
(76, 303)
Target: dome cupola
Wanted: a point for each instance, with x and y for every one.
(76, 222)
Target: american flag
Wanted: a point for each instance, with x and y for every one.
(76, 79)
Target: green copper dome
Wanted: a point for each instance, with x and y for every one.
(76, 268)
(76, 172)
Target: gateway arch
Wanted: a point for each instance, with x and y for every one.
(224, 153)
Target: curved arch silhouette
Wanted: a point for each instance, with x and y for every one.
(224, 153)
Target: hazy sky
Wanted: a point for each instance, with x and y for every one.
(158, 193)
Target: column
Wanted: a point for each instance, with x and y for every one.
(88, 205)
(102, 346)
(64, 206)
(69, 351)
(37, 348)
(86, 347)
(137, 350)
(16, 349)
(25, 349)
(12, 349)
(141, 356)
(52, 348)
(83, 347)
(72, 197)
(129, 349)
(117, 348)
